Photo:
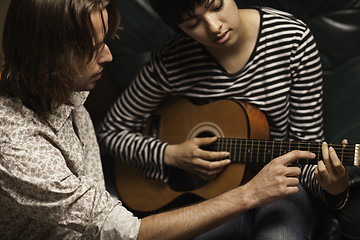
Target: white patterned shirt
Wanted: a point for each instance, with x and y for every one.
(51, 178)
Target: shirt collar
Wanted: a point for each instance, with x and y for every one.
(62, 113)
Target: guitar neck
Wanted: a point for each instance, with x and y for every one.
(263, 151)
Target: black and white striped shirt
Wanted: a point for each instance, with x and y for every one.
(283, 78)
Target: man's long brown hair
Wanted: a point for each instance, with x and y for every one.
(44, 42)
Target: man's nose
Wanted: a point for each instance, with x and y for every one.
(106, 55)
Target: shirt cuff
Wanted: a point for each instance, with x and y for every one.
(120, 224)
(336, 201)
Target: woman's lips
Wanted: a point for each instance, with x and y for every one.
(223, 37)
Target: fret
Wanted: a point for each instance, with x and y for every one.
(240, 150)
(298, 148)
(230, 140)
(265, 150)
(258, 149)
(251, 152)
(307, 160)
(235, 149)
(289, 148)
(245, 150)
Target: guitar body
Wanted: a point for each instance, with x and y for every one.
(175, 121)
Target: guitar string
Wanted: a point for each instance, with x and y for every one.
(348, 149)
(275, 141)
(292, 143)
(285, 146)
(259, 146)
(345, 155)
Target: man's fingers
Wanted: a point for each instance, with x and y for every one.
(293, 172)
(293, 181)
(296, 155)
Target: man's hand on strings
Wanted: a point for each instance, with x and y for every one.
(277, 179)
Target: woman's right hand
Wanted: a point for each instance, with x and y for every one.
(190, 157)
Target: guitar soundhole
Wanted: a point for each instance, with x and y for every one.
(205, 134)
(181, 180)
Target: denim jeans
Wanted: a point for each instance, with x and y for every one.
(291, 218)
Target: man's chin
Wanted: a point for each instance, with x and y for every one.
(88, 87)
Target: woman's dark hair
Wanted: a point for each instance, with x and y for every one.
(171, 11)
(44, 41)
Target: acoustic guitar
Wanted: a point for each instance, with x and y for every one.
(242, 130)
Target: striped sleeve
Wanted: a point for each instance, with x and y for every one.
(119, 133)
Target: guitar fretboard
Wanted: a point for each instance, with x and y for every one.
(263, 151)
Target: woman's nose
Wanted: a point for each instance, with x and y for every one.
(214, 24)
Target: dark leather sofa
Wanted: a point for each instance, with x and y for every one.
(336, 28)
